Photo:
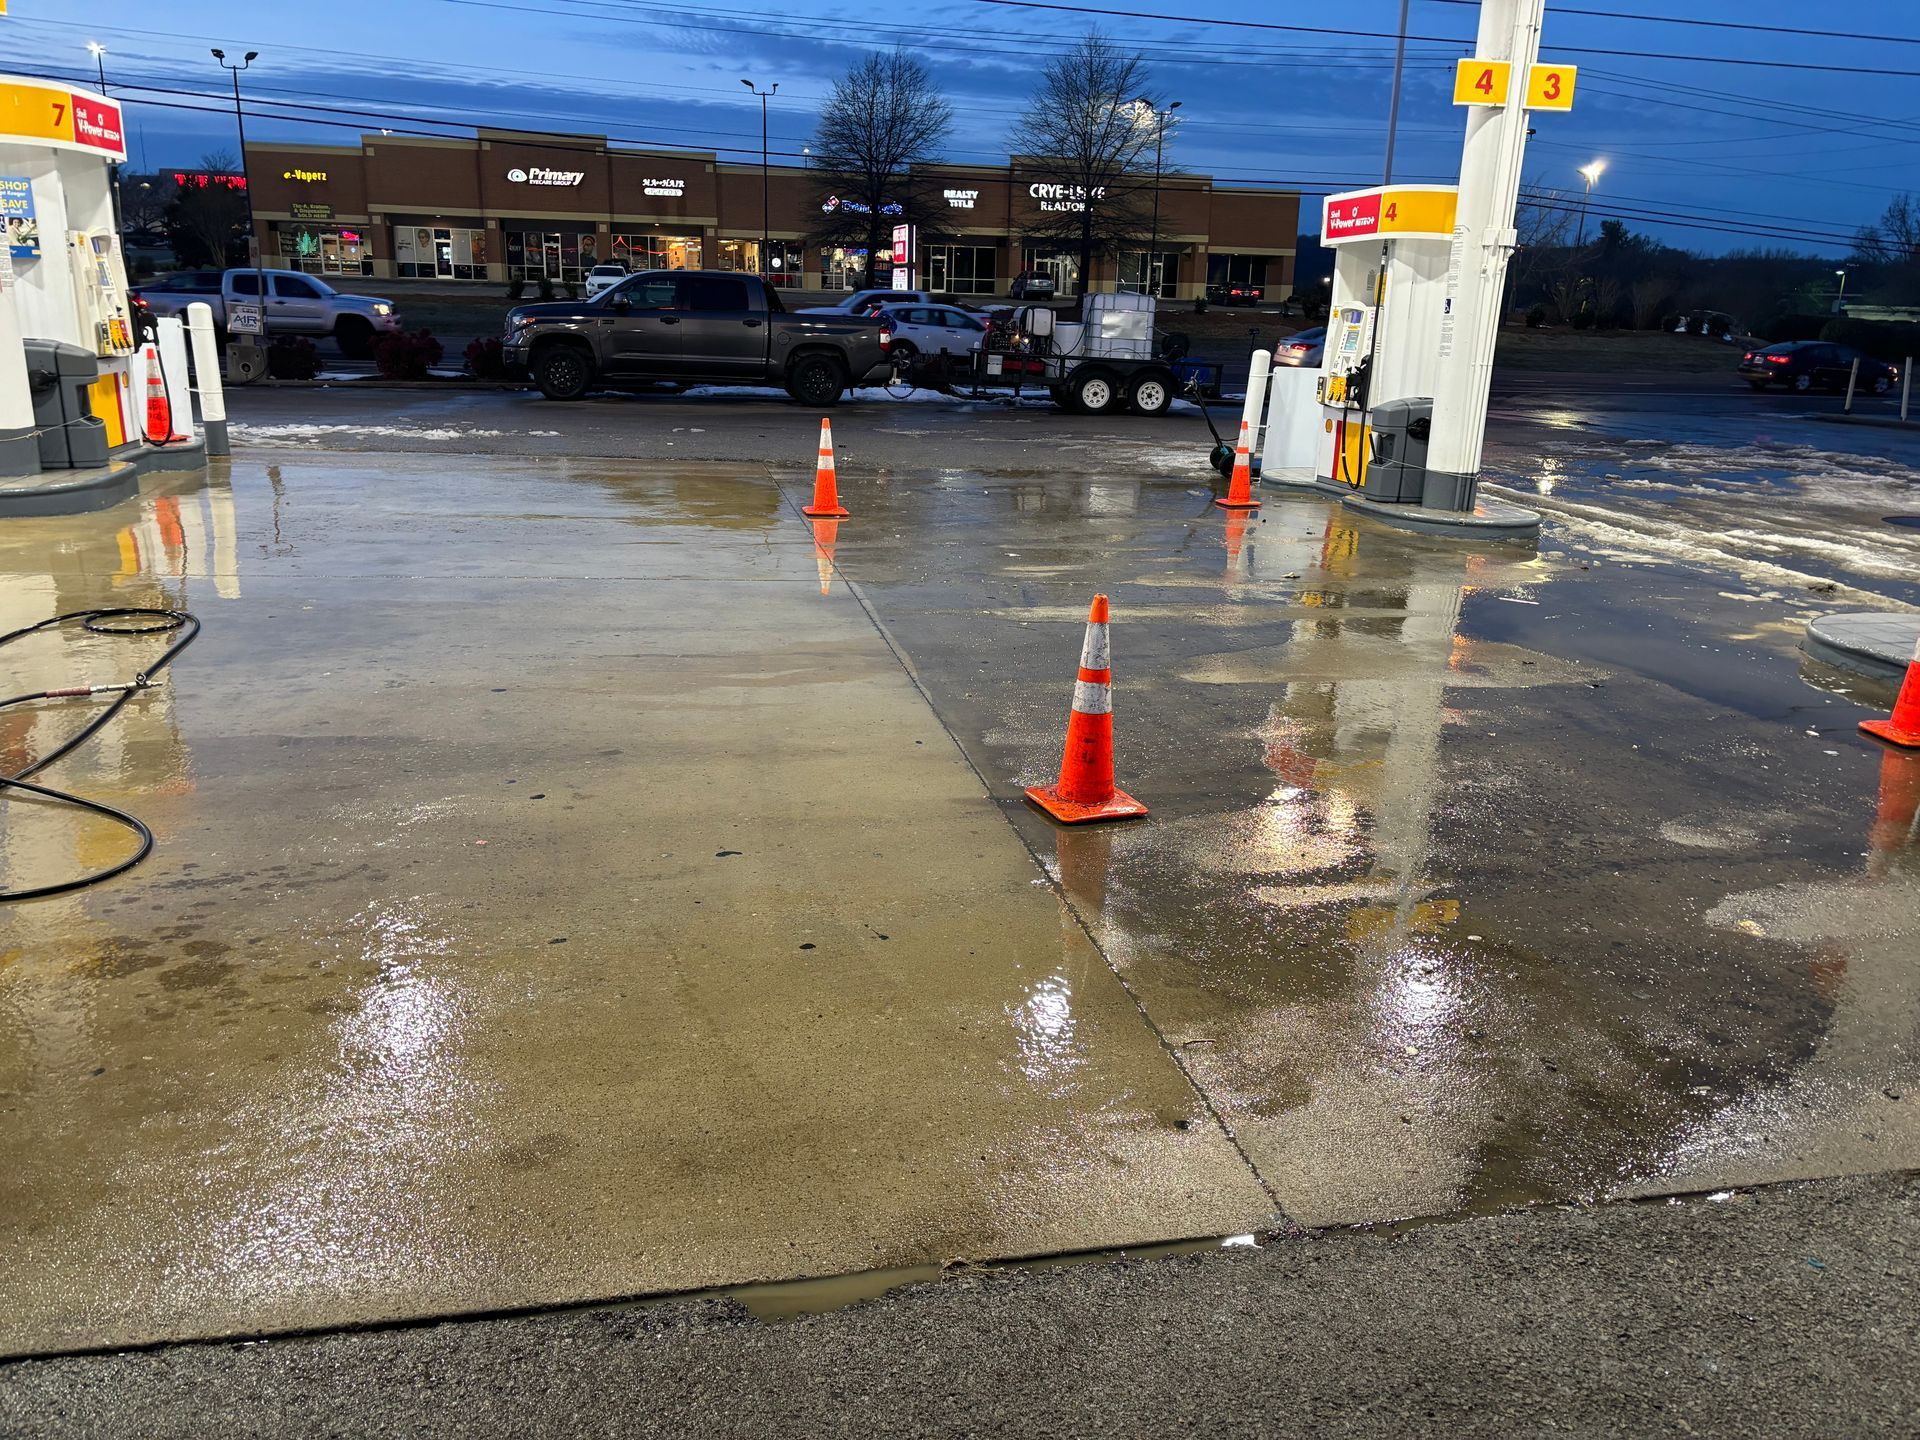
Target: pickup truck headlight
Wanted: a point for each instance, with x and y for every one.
(515, 320)
(382, 308)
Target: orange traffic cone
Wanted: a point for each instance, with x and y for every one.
(1893, 823)
(1240, 488)
(159, 408)
(1085, 790)
(1903, 726)
(826, 492)
(826, 533)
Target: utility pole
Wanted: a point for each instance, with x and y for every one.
(246, 177)
(766, 185)
(1161, 118)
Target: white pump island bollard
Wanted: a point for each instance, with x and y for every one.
(1255, 405)
(206, 377)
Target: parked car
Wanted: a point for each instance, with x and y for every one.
(297, 304)
(866, 302)
(1302, 348)
(605, 277)
(1032, 285)
(933, 330)
(1237, 292)
(1815, 364)
(711, 327)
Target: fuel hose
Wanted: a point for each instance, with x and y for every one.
(117, 621)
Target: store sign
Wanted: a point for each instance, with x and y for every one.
(67, 119)
(834, 203)
(18, 219)
(538, 176)
(1065, 197)
(305, 177)
(960, 199)
(208, 180)
(664, 189)
(303, 211)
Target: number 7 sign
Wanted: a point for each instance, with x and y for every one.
(1481, 82)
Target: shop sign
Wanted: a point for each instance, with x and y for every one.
(16, 214)
(69, 119)
(960, 199)
(208, 180)
(854, 207)
(664, 189)
(305, 177)
(1064, 197)
(304, 211)
(537, 175)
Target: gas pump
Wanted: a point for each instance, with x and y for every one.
(100, 291)
(1386, 331)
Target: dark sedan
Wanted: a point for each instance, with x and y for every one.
(1815, 365)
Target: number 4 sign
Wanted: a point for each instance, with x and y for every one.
(1481, 82)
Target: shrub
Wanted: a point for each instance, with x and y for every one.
(1892, 340)
(1784, 327)
(1200, 305)
(1582, 319)
(515, 289)
(406, 355)
(545, 284)
(292, 357)
(1536, 315)
(1719, 326)
(485, 360)
(1669, 323)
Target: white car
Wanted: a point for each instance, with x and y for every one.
(934, 329)
(604, 277)
(863, 302)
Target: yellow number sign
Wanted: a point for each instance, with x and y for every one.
(1550, 87)
(1481, 82)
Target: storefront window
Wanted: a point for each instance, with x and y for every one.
(961, 269)
(843, 268)
(1065, 269)
(325, 249)
(561, 256)
(1144, 274)
(656, 252)
(786, 263)
(1227, 269)
(448, 252)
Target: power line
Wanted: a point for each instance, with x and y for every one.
(1439, 39)
(1713, 24)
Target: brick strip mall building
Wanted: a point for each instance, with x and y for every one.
(510, 205)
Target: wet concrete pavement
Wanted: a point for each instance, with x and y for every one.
(1474, 876)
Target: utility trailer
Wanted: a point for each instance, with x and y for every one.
(1100, 363)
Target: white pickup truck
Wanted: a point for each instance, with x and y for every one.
(297, 304)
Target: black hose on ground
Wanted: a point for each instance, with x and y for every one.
(119, 620)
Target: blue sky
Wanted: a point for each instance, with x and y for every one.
(1807, 154)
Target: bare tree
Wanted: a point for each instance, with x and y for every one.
(1543, 230)
(883, 118)
(1895, 239)
(1650, 295)
(207, 216)
(1091, 127)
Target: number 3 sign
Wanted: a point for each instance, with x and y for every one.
(1485, 82)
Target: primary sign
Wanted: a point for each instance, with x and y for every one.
(538, 176)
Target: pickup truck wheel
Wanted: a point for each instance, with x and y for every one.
(354, 335)
(1094, 392)
(562, 372)
(816, 380)
(1151, 393)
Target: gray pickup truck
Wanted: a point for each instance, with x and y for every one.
(706, 327)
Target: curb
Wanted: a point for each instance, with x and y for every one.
(1875, 422)
(1874, 643)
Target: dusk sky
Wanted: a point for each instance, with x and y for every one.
(1747, 154)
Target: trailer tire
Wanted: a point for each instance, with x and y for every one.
(1151, 392)
(1094, 391)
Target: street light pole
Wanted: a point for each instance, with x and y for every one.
(1840, 300)
(1393, 106)
(766, 185)
(1159, 150)
(1589, 172)
(246, 177)
(99, 53)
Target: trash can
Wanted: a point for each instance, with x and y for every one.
(72, 437)
(1397, 471)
